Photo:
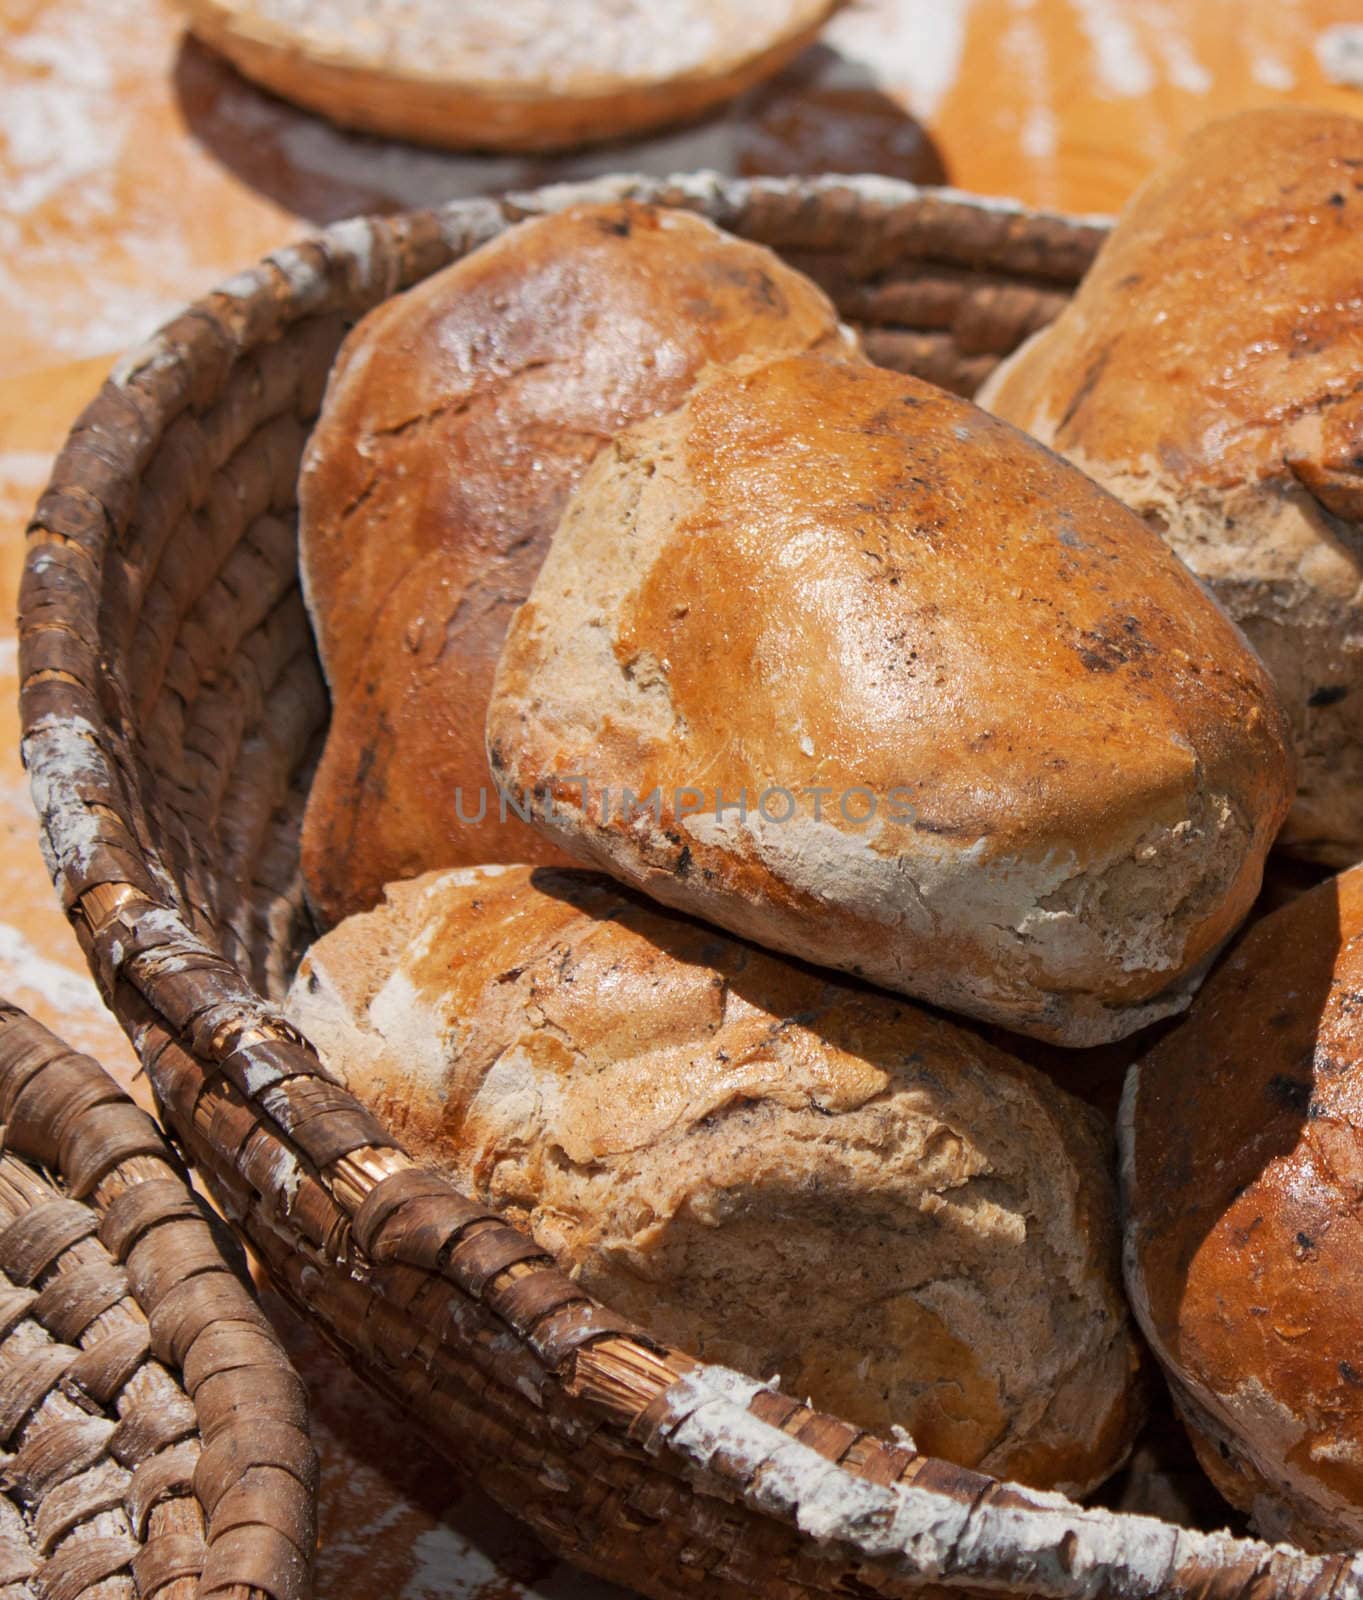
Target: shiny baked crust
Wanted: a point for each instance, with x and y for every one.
(1243, 1171)
(764, 1164)
(458, 417)
(821, 576)
(1207, 372)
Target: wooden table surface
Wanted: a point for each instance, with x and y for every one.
(136, 169)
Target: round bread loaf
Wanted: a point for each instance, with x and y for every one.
(508, 74)
(761, 1163)
(458, 417)
(840, 663)
(1207, 372)
(1242, 1159)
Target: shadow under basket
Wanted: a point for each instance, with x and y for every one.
(155, 1437)
(172, 711)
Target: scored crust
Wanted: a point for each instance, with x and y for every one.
(1207, 372)
(761, 1163)
(827, 579)
(1244, 1240)
(456, 421)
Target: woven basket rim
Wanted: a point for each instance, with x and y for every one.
(934, 1523)
(111, 1160)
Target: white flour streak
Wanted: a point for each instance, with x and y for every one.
(53, 53)
(24, 968)
(447, 1567)
(121, 316)
(917, 49)
(1184, 70)
(1340, 53)
(1271, 73)
(25, 468)
(1039, 134)
(66, 116)
(51, 138)
(60, 121)
(16, 798)
(1123, 68)
(1040, 137)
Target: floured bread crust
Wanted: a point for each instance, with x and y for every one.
(1208, 373)
(511, 75)
(839, 582)
(766, 1165)
(1243, 1170)
(458, 417)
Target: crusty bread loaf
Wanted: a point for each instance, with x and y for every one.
(518, 75)
(458, 417)
(1097, 1075)
(1207, 372)
(761, 1163)
(1016, 762)
(1242, 1151)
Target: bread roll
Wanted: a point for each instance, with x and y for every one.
(763, 1164)
(1243, 1167)
(1207, 373)
(515, 75)
(1016, 762)
(457, 418)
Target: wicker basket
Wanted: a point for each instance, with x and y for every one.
(172, 711)
(156, 1433)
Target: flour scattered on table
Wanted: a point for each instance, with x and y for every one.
(67, 125)
(1039, 133)
(1185, 71)
(23, 967)
(1340, 53)
(1123, 68)
(59, 116)
(1269, 72)
(916, 48)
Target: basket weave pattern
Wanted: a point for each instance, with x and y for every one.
(173, 709)
(121, 1480)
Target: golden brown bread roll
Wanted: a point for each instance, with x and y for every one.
(761, 1163)
(1242, 1151)
(457, 419)
(1016, 762)
(1207, 373)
